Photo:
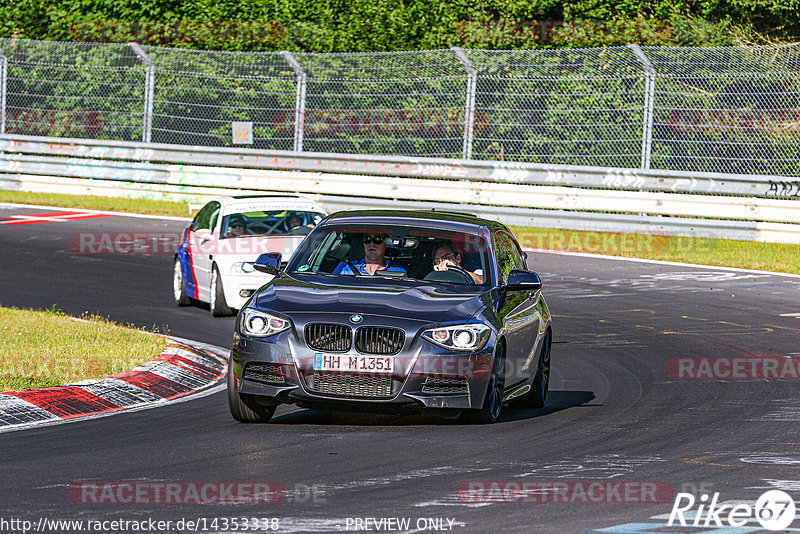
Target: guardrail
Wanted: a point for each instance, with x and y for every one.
(762, 208)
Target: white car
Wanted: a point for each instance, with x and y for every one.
(214, 262)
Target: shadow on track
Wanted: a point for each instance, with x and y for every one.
(556, 401)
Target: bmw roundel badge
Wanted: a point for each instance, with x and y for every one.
(356, 319)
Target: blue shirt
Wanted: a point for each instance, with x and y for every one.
(361, 264)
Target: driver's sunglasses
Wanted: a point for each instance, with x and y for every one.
(377, 239)
(440, 259)
(236, 225)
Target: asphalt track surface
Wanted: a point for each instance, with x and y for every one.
(614, 413)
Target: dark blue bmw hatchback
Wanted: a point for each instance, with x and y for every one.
(398, 311)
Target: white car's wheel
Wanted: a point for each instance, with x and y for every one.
(219, 307)
(179, 285)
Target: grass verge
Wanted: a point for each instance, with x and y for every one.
(127, 205)
(723, 252)
(777, 257)
(49, 348)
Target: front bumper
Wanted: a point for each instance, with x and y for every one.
(279, 370)
(238, 287)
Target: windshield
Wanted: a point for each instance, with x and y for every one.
(278, 222)
(409, 253)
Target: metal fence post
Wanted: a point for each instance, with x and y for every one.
(149, 90)
(649, 102)
(469, 108)
(300, 100)
(3, 86)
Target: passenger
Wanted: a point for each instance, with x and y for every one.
(374, 258)
(444, 256)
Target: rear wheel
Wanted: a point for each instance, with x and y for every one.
(493, 400)
(219, 307)
(179, 285)
(243, 408)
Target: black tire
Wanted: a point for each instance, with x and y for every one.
(179, 285)
(537, 396)
(493, 400)
(219, 307)
(244, 409)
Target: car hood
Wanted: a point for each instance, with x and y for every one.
(426, 303)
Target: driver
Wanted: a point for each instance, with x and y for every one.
(374, 258)
(444, 256)
(236, 226)
(293, 221)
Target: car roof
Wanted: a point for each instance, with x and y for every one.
(279, 200)
(442, 219)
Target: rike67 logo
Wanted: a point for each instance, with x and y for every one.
(774, 510)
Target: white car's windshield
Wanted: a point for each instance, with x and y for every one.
(410, 253)
(269, 223)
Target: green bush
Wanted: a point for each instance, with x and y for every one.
(389, 25)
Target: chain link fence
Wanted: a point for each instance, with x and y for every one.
(729, 110)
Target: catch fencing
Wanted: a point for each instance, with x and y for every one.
(733, 110)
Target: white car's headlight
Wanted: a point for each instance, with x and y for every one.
(462, 337)
(242, 267)
(256, 323)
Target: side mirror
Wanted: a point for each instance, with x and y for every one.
(519, 279)
(269, 263)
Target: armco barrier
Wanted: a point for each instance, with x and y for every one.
(762, 208)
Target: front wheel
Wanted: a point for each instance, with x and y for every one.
(493, 400)
(244, 409)
(541, 384)
(179, 285)
(219, 307)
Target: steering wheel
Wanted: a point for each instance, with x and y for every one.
(257, 228)
(462, 272)
(442, 276)
(356, 270)
(300, 230)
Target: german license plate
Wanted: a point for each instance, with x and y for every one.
(353, 363)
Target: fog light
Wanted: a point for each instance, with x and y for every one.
(246, 292)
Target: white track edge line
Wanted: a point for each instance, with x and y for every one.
(114, 213)
(658, 262)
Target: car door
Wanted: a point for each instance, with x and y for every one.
(203, 246)
(517, 311)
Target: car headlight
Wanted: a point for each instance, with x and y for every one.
(462, 337)
(242, 267)
(256, 323)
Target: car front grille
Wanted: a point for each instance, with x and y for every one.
(271, 373)
(328, 336)
(445, 386)
(379, 340)
(346, 385)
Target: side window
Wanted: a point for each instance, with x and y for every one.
(212, 218)
(201, 219)
(508, 256)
